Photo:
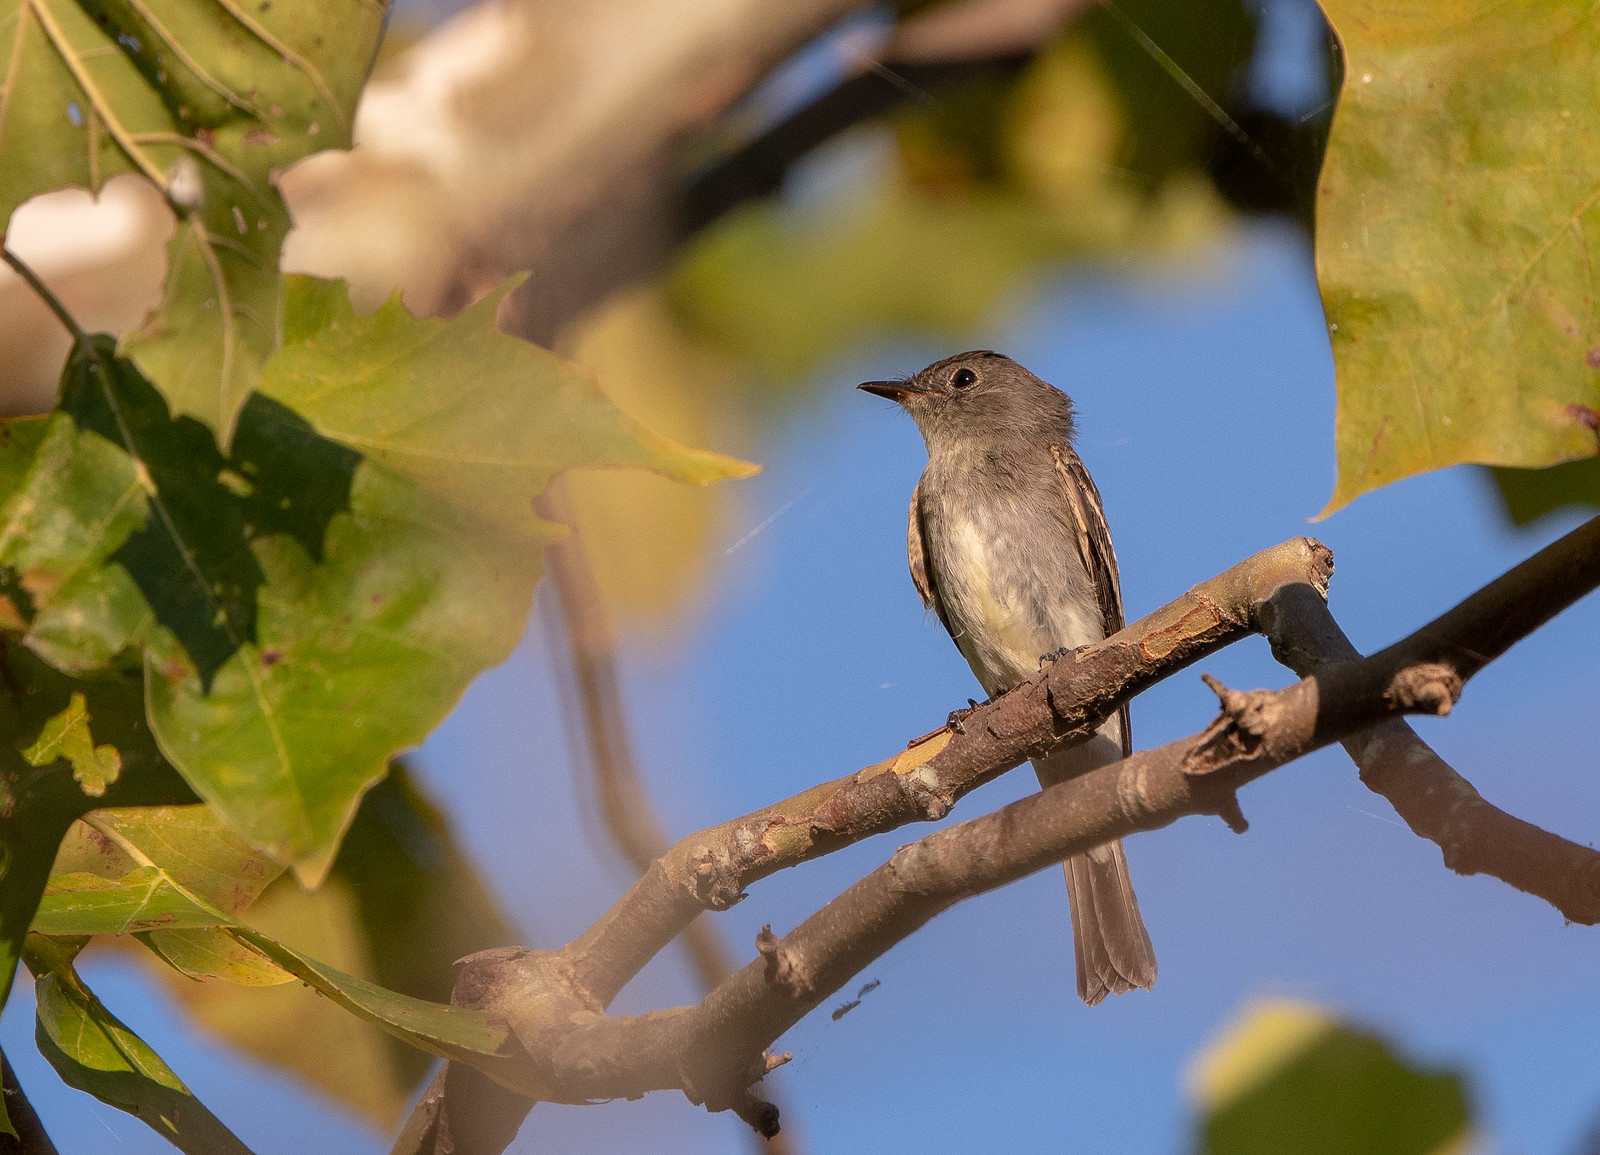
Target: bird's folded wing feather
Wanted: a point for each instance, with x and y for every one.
(921, 575)
(1094, 548)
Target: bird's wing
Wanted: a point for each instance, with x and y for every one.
(921, 576)
(1094, 548)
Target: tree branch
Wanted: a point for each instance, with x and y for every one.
(1066, 700)
(554, 1001)
(1435, 801)
(712, 1050)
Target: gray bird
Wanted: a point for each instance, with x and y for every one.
(1009, 545)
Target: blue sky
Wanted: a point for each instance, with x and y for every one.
(1207, 408)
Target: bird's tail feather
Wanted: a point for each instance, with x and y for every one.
(1113, 949)
(1109, 939)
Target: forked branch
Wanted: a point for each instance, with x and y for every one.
(715, 1050)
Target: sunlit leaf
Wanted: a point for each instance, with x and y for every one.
(207, 100)
(93, 1051)
(1286, 1078)
(1458, 205)
(212, 953)
(480, 419)
(75, 502)
(67, 736)
(121, 871)
(154, 897)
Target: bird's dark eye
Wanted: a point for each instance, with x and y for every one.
(963, 378)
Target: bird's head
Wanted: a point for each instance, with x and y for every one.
(978, 396)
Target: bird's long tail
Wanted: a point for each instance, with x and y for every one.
(1109, 938)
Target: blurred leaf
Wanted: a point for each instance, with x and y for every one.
(1453, 237)
(932, 239)
(1156, 54)
(1287, 1078)
(1529, 494)
(92, 1051)
(421, 903)
(646, 537)
(207, 100)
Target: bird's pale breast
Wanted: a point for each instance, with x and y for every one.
(1012, 590)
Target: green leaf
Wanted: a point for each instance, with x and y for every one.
(212, 953)
(74, 505)
(305, 612)
(93, 1051)
(206, 98)
(478, 418)
(1288, 1077)
(1528, 494)
(183, 860)
(67, 736)
(122, 871)
(1459, 200)
(38, 804)
(401, 905)
(205, 103)
(191, 560)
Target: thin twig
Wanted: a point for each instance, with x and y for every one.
(42, 290)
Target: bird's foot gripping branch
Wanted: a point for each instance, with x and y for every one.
(716, 1051)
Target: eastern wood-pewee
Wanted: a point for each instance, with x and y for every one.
(1009, 545)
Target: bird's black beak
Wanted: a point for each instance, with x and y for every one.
(893, 390)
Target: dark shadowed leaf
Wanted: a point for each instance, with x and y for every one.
(191, 560)
(39, 803)
(1529, 494)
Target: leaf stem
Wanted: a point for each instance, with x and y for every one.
(49, 298)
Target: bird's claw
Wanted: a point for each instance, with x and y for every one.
(957, 717)
(1054, 656)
